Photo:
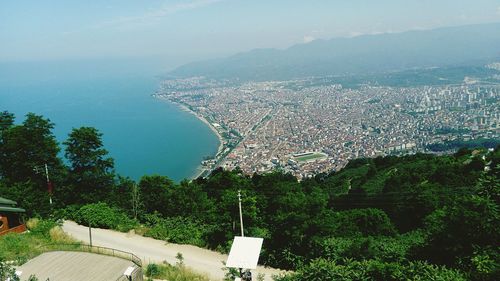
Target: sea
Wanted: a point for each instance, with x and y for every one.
(144, 135)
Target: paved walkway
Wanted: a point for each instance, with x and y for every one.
(74, 266)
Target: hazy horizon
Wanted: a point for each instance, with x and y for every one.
(172, 33)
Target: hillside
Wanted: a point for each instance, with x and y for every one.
(386, 218)
(451, 46)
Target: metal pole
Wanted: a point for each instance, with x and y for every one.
(241, 224)
(48, 183)
(90, 234)
(241, 214)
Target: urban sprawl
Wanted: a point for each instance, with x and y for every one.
(306, 130)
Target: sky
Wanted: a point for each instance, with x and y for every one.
(180, 31)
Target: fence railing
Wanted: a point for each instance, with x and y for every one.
(92, 249)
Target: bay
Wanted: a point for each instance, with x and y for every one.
(143, 134)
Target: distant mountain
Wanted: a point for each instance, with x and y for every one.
(364, 54)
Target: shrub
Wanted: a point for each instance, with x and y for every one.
(42, 227)
(13, 246)
(173, 273)
(455, 231)
(32, 223)
(103, 216)
(176, 230)
(20, 247)
(7, 272)
(57, 235)
(152, 270)
(320, 270)
(387, 249)
(364, 222)
(66, 213)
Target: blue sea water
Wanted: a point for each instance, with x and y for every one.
(143, 135)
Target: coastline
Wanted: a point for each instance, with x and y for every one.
(200, 169)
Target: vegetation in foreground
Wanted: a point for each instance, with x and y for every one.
(387, 218)
(18, 248)
(177, 272)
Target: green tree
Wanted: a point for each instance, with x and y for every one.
(27, 147)
(127, 195)
(190, 200)
(6, 121)
(91, 173)
(155, 192)
(454, 232)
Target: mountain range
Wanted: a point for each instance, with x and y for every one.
(365, 54)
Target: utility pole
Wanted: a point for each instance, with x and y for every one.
(241, 224)
(241, 214)
(40, 169)
(49, 184)
(90, 234)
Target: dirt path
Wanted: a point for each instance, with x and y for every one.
(152, 250)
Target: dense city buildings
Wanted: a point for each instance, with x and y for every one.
(307, 129)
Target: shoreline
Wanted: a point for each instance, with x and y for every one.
(199, 169)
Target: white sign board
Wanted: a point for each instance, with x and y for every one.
(244, 252)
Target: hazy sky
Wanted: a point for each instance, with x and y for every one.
(184, 30)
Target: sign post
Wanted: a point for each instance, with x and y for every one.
(245, 251)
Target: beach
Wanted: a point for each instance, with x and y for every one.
(200, 170)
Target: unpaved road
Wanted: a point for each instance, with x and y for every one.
(152, 250)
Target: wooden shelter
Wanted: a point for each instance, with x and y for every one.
(10, 217)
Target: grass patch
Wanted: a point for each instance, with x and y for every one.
(178, 272)
(21, 247)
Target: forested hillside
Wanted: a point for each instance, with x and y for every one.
(387, 218)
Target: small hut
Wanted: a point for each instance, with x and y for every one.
(10, 217)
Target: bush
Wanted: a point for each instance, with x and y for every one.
(484, 264)
(454, 232)
(7, 272)
(387, 249)
(66, 213)
(57, 235)
(103, 216)
(173, 273)
(41, 227)
(152, 270)
(176, 230)
(20, 247)
(32, 223)
(14, 246)
(362, 222)
(321, 270)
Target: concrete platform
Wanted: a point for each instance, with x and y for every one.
(74, 266)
